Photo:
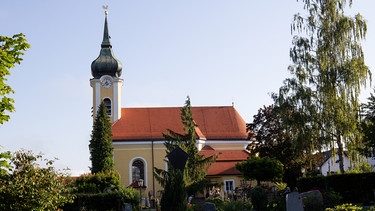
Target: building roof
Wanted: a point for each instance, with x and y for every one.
(213, 123)
(225, 162)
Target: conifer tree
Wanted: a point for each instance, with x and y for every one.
(100, 146)
(174, 196)
(197, 164)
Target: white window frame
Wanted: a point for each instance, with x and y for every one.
(131, 170)
(225, 185)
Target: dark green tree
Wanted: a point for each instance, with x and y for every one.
(368, 127)
(328, 72)
(261, 169)
(11, 51)
(174, 195)
(100, 146)
(32, 186)
(269, 138)
(197, 164)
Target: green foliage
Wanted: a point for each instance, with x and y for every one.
(30, 186)
(11, 51)
(274, 141)
(258, 196)
(368, 127)
(197, 164)
(355, 188)
(111, 200)
(174, 196)
(328, 72)
(345, 207)
(4, 163)
(261, 169)
(217, 201)
(227, 205)
(331, 198)
(280, 186)
(361, 167)
(235, 206)
(313, 203)
(101, 191)
(98, 182)
(100, 146)
(311, 183)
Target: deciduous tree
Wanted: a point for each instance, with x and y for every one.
(261, 169)
(11, 51)
(31, 186)
(270, 138)
(328, 72)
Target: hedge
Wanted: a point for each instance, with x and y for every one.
(354, 188)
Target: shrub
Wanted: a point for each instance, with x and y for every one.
(98, 182)
(331, 198)
(112, 200)
(345, 207)
(235, 206)
(312, 203)
(258, 197)
(217, 201)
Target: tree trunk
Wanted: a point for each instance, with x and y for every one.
(340, 153)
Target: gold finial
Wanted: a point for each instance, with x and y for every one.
(105, 7)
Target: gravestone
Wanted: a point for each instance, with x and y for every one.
(208, 206)
(294, 202)
(128, 207)
(312, 200)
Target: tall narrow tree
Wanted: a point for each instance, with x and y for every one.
(100, 146)
(197, 164)
(328, 72)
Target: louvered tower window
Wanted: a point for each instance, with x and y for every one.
(108, 105)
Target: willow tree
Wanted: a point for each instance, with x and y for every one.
(328, 72)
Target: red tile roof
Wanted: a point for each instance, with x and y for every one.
(226, 161)
(214, 122)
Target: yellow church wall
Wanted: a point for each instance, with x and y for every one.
(125, 155)
(229, 145)
(106, 93)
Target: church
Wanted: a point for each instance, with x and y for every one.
(137, 132)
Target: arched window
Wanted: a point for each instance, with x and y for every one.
(107, 103)
(138, 170)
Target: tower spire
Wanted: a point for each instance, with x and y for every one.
(106, 42)
(106, 63)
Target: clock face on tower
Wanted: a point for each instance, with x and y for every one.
(106, 81)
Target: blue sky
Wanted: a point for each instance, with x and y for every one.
(215, 51)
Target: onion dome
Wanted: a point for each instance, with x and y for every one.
(106, 63)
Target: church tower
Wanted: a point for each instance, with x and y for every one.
(106, 82)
